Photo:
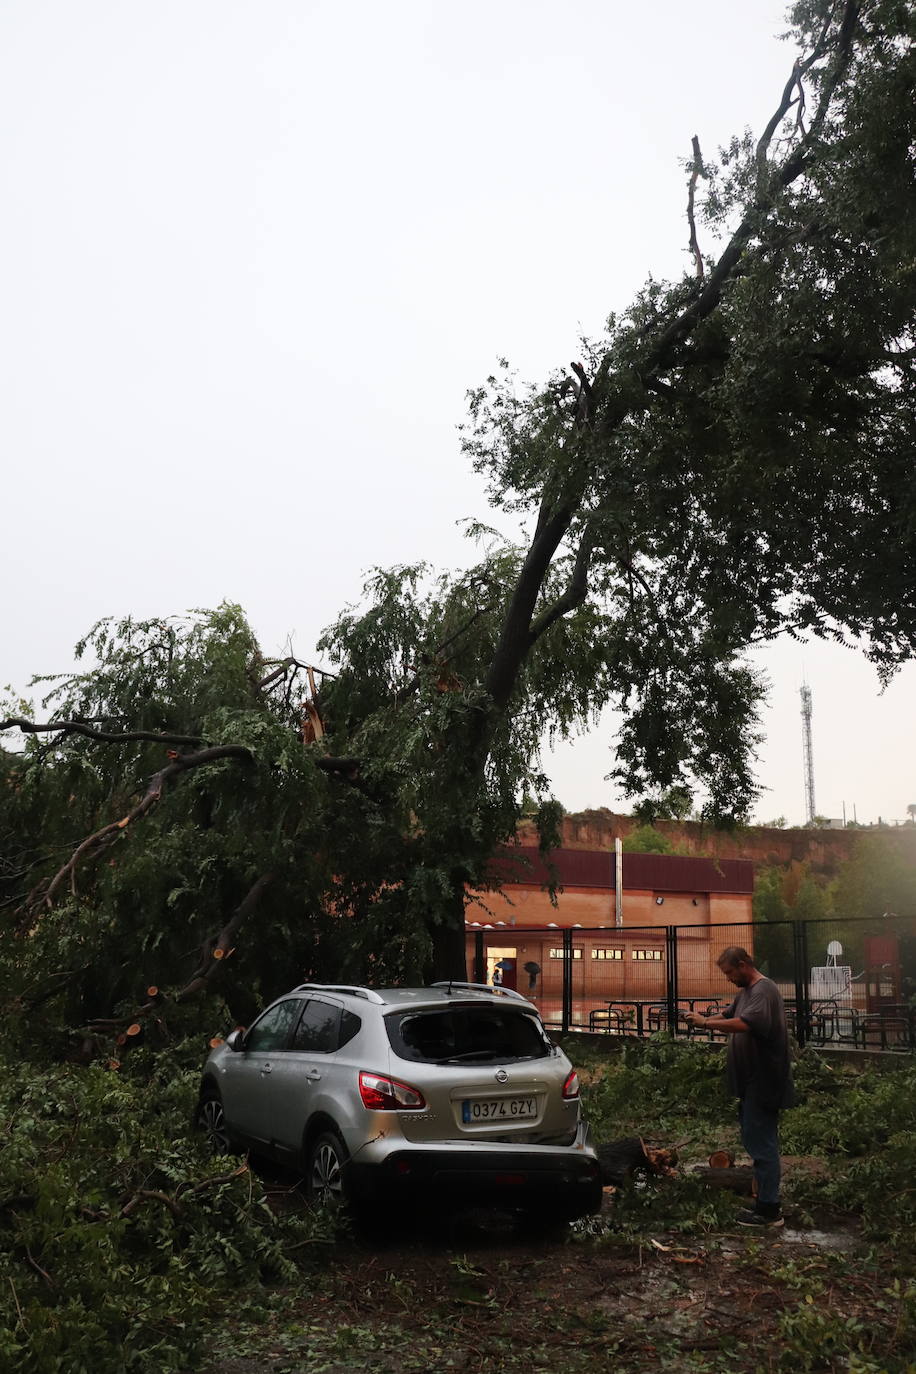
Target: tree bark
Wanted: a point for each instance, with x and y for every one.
(738, 1179)
(448, 959)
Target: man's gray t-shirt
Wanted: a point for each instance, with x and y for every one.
(758, 1058)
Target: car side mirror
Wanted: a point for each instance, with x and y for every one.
(235, 1040)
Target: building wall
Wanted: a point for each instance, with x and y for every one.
(521, 925)
(639, 972)
(822, 850)
(524, 904)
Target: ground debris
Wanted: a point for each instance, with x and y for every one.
(586, 1307)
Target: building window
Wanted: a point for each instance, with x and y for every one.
(558, 953)
(645, 954)
(614, 953)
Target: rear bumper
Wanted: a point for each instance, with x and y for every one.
(564, 1183)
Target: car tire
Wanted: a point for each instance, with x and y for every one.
(325, 1170)
(211, 1120)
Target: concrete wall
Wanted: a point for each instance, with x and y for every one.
(822, 850)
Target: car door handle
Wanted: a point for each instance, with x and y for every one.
(313, 1075)
(266, 1069)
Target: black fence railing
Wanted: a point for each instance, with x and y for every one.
(846, 983)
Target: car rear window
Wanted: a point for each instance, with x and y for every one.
(470, 1034)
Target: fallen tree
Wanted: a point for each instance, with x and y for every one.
(732, 459)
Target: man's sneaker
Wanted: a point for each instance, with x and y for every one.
(760, 1221)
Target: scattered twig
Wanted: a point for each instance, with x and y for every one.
(16, 1301)
(151, 1195)
(191, 1189)
(38, 1269)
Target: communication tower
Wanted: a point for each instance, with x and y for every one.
(810, 810)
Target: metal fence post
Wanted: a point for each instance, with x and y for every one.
(480, 966)
(566, 1017)
(671, 976)
(806, 977)
(800, 959)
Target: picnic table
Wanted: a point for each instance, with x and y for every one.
(892, 1026)
(643, 1014)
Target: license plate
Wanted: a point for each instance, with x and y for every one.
(497, 1109)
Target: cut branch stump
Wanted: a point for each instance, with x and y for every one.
(738, 1178)
(620, 1159)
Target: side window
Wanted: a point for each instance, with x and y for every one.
(350, 1025)
(271, 1032)
(316, 1032)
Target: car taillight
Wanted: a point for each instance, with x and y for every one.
(571, 1086)
(381, 1094)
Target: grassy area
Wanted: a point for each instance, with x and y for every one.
(662, 1280)
(850, 1142)
(122, 1247)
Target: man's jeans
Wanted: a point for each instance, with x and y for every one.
(760, 1137)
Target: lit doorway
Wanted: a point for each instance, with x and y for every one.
(502, 967)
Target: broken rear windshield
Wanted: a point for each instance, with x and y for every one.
(466, 1035)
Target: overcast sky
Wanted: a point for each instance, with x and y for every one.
(254, 254)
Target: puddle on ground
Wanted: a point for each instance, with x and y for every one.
(821, 1240)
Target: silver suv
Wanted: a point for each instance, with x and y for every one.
(377, 1095)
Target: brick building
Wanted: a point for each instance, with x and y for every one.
(519, 926)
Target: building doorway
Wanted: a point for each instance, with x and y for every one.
(502, 967)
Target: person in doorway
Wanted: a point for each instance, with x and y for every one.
(497, 977)
(758, 1072)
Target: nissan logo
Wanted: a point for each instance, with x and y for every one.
(502, 1076)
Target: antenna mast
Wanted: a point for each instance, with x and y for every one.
(810, 809)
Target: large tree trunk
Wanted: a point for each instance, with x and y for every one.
(448, 940)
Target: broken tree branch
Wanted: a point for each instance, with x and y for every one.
(151, 1195)
(575, 593)
(191, 1189)
(284, 666)
(172, 1202)
(584, 409)
(78, 727)
(346, 767)
(215, 952)
(697, 171)
(104, 837)
(769, 186)
(620, 1159)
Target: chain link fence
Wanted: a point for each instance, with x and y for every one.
(846, 983)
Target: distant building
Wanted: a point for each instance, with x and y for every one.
(520, 926)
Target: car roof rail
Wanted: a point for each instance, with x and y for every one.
(449, 983)
(369, 994)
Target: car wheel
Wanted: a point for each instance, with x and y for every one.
(211, 1119)
(324, 1170)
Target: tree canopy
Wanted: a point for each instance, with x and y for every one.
(731, 459)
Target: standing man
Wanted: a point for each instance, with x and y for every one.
(758, 1073)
